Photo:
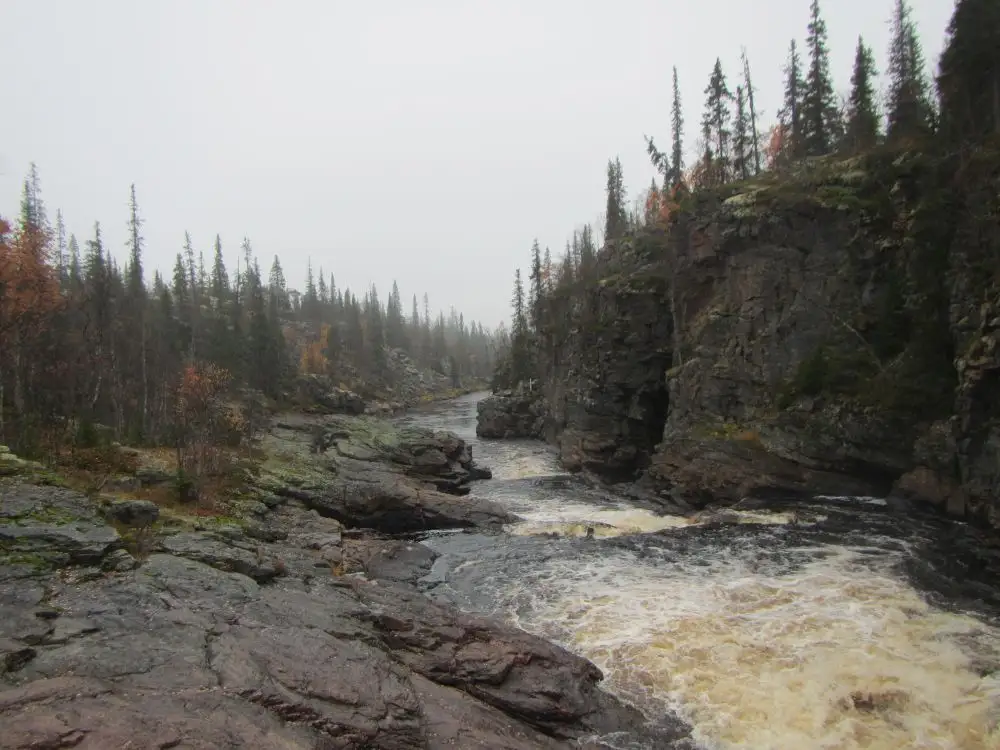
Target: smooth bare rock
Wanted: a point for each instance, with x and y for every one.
(506, 668)
(50, 525)
(368, 473)
(454, 719)
(507, 415)
(211, 551)
(391, 559)
(189, 650)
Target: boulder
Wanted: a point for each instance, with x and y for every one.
(508, 415)
(135, 513)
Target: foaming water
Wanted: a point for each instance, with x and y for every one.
(836, 654)
(774, 628)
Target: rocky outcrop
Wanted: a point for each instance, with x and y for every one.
(223, 640)
(601, 396)
(368, 473)
(606, 393)
(511, 415)
(833, 330)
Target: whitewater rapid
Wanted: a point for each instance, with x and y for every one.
(767, 628)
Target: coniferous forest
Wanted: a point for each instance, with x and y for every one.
(92, 345)
(952, 113)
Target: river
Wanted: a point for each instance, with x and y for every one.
(833, 623)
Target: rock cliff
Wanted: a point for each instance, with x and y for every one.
(831, 331)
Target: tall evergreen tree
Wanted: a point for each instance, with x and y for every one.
(969, 76)
(791, 111)
(310, 300)
(520, 348)
(677, 135)
(616, 219)
(742, 155)
(718, 103)
(819, 106)
(220, 278)
(910, 111)
(862, 111)
(755, 151)
(535, 288)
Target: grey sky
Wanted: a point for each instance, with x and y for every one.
(426, 141)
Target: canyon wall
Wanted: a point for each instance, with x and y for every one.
(833, 331)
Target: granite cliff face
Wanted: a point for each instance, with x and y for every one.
(832, 331)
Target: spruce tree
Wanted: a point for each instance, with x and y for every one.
(616, 220)
(220, 278)
(791, 111)
(755, 164)
(910, 111)
(819, 106)
(310, 300)
(862, 112)
(519, 353)
(718, 103)
(969, 76)
(535, 288)
(741, 139)
(276, 284)
(677, 135)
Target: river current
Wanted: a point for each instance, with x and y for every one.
(788, 625)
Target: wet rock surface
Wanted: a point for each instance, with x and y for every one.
(257, 634)
(509, 415)
(368, 473)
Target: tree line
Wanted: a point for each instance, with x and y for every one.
(89, 344)
(733, 147)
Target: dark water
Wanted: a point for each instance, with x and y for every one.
(832, 623)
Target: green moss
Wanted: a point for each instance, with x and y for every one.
(41, 514)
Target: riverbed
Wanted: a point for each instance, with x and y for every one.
(786, 625)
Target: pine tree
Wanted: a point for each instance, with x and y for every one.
(310, 300)
(741, 139)
(220, 278)
(276, 284)
(535, 289)
(910, 112)
(61, 258)
(715, 126)
(519, 353)
(547, 272)
(677, 134)
(616, 220)
(791, 112)
(969, 76)
(136, 285)
(862, 112)
(819, 106)
(395, 324)
(755, 163)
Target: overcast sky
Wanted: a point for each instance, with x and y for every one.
(427, 141)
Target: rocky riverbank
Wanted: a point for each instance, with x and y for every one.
(829, 330)
(289, 622)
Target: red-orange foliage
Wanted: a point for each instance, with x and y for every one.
(669, 203)
(652, 205)
(202, 420)
(29, 288)
(777, 142)
(313, 359)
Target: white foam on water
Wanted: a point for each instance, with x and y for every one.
(841, 654)
(863, 499)
(574, 518)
